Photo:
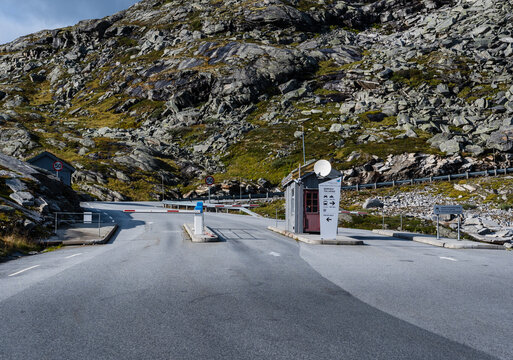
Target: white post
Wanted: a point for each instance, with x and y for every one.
(198, 224)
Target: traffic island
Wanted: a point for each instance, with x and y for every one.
(82, 235)
(207, 236)
(315, 239)
(442, 242)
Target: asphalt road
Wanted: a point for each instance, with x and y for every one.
(152, 294)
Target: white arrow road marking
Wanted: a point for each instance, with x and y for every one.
(448, 258)
(274, 254)
(69, 257)
(19, 272)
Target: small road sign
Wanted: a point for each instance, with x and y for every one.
(209, 180)
(58, 166)
(448, 209)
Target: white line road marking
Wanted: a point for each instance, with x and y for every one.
(274, 254)
(448, 258)
(19, 272)
(69, 257)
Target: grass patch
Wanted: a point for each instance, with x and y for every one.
(471, 94)
(270, 209)
(16, 242)
(410, 224)
(53, 248)
(415, 77)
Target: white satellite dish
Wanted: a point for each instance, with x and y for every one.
(322, 168)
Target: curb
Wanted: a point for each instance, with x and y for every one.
(107, 237)
(100, 241)
(208, 236)
(443, 242)
(341, 240)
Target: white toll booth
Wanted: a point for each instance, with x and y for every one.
(303, 206)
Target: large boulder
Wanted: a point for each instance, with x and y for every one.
(373, 203)
(501, 140)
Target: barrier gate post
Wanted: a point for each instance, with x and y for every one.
(198, 219)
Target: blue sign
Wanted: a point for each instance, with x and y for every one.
(199, 206)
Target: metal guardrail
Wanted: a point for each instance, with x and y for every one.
(70, 218)
(448, 177)
(357, 187)
(249, 197)
(208, 205)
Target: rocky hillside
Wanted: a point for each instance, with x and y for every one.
(28, 198)
(172, 90)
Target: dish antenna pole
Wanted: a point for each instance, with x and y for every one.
(303, 136)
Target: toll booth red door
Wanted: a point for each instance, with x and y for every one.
(311, 218)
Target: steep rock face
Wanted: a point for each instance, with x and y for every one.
(168, 91)
(30, 195)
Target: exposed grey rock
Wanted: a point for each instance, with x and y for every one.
(501, 140)
(450, 146)
(443, 89)
(23, 198)
(289, 86)
(103, 193)
(16, 185)
(372, 203)
(336, 128)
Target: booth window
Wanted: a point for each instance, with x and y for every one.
(312, 202)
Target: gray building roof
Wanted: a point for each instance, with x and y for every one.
(53, 158)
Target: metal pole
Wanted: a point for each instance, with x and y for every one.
(303, 136)
(383, 214)
(209, 194)
(459, 223)
(401, 228)
(163, 192)
(55, 223)
(99, 225)
(438, 227)
(276, 218)
(240, 188)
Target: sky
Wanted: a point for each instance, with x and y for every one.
(23, 17)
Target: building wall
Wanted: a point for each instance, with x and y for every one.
(47, 164)
(294, 208)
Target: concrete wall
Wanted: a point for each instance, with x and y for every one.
(294, 208)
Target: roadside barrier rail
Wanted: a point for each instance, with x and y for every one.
(357, 187)
(162, 211)
(448, 177)
(210, 205)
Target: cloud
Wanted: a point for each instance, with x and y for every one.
(14, 28)
(23, 17)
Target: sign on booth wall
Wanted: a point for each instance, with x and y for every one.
(329, 199)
